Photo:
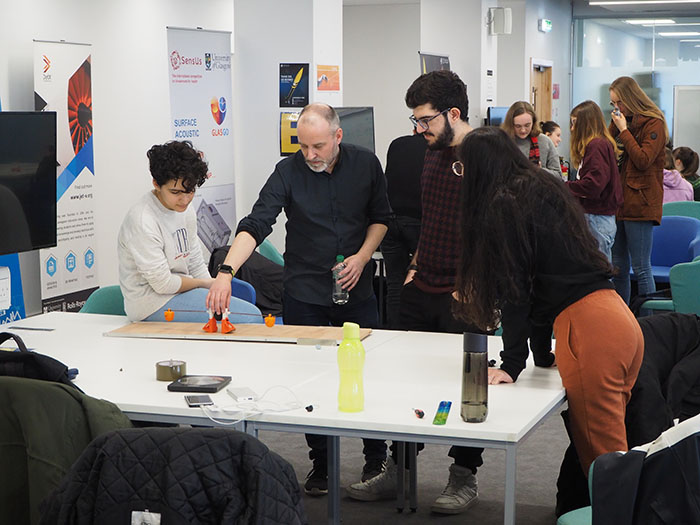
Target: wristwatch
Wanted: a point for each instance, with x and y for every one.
(412, 267)
(226, 269)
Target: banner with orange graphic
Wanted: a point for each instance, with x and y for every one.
(199, 71)
(63, 83)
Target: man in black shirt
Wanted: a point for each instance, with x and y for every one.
(334, 197)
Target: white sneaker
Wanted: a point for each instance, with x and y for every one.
(460, 493)
(382, 486)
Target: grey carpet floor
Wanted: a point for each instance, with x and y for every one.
(539, 457)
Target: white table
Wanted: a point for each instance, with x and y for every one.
(403, 370)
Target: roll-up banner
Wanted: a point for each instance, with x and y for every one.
(199, 65)
(63, 83)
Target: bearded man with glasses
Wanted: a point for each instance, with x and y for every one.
(440, 105)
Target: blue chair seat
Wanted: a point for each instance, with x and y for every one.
(676, 240)
(243, 290)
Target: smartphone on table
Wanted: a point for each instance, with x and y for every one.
(198, 400)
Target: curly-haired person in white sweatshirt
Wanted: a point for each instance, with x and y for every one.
(160, 260)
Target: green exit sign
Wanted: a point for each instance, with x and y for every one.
(544, 25)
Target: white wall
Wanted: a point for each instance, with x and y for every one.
(516, 50)
(380, 54)
(513, 84)
(439, 18)
(266, 34)
(130, 90)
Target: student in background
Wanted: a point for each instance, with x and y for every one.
(528, 258)
(404, 164)
(639, 129)
(676, 188)
(686, 161)
(160, 259)
(553, 131)
(597, 188)
(521, 124)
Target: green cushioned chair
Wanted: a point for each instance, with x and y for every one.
(685, 290)
(105, 300)
(682, 209)
(268, 250)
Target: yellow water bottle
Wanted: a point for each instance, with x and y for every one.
(351, 362)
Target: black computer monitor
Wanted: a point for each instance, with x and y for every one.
(495, 115)
(27, 180)
(358, 126)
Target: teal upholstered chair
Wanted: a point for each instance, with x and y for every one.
(268, 250)
(105, 300)
(682, 209)
(685, 290)
(584, 515)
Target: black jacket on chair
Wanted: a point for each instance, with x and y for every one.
(188, 476)
(668, 383)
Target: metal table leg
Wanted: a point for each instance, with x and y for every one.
(400, 475)
(333, 480)
(509, 508)
(413, 476)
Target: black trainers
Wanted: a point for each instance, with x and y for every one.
(372, 468)
(317, 482)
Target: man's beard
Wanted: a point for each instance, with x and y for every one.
(318, 168)
(444, 139)
(325, 163)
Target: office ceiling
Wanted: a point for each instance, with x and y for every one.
(581, 9)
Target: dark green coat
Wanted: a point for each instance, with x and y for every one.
(44, 427)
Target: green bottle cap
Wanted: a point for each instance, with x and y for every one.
(351, 331)
(339, 258)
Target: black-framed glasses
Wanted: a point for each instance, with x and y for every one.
(424, 122)
(458, 168)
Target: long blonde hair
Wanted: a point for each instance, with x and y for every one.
(515, 110)
(634, 99)
(589, 125)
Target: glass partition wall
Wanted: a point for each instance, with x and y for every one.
(659, 54)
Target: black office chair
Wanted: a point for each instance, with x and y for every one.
(185, 475)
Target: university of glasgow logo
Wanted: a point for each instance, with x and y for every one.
(218, 110)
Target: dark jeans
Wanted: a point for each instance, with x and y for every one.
(366, 315)
(433, 313)
(398, 246)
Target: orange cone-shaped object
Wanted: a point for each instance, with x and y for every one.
(270, 320)
(226, 326)
(211, 324)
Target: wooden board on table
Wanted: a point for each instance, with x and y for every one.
(244, 332)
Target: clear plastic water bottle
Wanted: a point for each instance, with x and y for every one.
(351, 363)
(340, 296)
(475, 378)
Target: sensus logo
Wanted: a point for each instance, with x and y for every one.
(177, 60)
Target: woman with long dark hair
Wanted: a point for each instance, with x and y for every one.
(528, 258)
(639, 128)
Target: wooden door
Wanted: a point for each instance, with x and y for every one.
(541, 90)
